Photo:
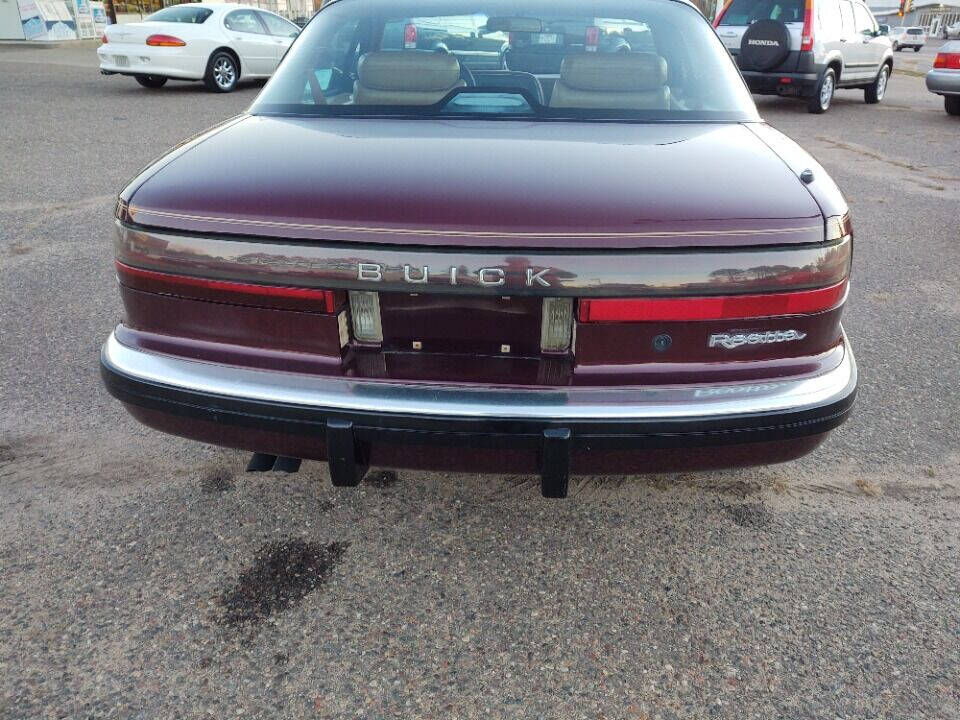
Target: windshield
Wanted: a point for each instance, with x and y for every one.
(181, 14)
(566, 59)
(745, 12)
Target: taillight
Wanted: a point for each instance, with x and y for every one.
(103, 39)
(592, 40)
(410, 37)
(165, 41)
(730, 307)
(365, 313)
(806, 35)
(947, 61)
(272, 296)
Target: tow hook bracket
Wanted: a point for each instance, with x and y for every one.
(555, 463)
(347, 459)
(287, 464)
(261, 462)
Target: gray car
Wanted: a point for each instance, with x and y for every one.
(806, 49)
(944, 79)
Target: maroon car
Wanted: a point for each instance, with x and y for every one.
(437, 259)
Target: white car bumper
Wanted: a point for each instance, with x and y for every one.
(173, 62)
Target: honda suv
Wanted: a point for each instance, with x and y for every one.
(807, 48)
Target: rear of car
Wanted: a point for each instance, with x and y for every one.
(944, 78)
(807, 48)
(171, 43)
(908, 37)
(772, 43)
(390, 262)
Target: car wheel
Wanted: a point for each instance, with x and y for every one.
(820, 102)
(951, 103)
(151, 81)
(874, 93)
(916, 49)
(222, 73)
(896, 47)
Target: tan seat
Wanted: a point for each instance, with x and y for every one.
(405, 78)
(628, 81)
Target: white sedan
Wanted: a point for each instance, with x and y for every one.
(214, 42)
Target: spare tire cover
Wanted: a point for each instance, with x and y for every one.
(765, 45)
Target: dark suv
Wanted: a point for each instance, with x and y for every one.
(807, 48)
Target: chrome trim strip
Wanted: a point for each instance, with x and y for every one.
(701, 402)
(143, 215)
(620, 273)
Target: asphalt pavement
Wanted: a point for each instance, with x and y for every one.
(145, 576)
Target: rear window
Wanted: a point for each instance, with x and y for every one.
(601, 59)
(181, 14)
(745, 12)
(915, 31)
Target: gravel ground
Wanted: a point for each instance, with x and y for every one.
(148, 576)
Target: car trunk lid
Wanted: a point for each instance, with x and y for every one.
(482, 184)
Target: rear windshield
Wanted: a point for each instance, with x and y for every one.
(915, 31)
(566, 59)
(745, 12)
(181, 14)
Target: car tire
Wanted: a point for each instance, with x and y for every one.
(823, 95)
(896, 47)
(151, 81)
(874, 93)
(223, 72)
(917, 49)
(951, 103)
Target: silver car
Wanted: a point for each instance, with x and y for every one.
(806, 49)
(908, 37)
(944, 79)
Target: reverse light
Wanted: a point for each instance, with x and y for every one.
(556, 328)
(592, 40)
(160, 40)
(947, 61)
(728, 307)
(365, 312)
(410, 37)
(806, 35)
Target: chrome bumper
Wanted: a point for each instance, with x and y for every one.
(567, 404)
(944, 82)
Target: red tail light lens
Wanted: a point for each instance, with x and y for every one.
(273, 296)
(806, 35)
(731, 307)
(103, 39)
(165, 41)
(947, 61)
(592, 40)
(410, 37)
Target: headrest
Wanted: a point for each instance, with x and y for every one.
(408, 71)
(614, 72)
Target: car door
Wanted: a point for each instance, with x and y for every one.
(853, 54)
(249, 37)
(282, 32)
(872, 45)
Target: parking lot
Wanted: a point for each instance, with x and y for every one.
(144, 576)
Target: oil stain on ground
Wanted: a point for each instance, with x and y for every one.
(750, 515)
(282, 574)
(217, 481)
